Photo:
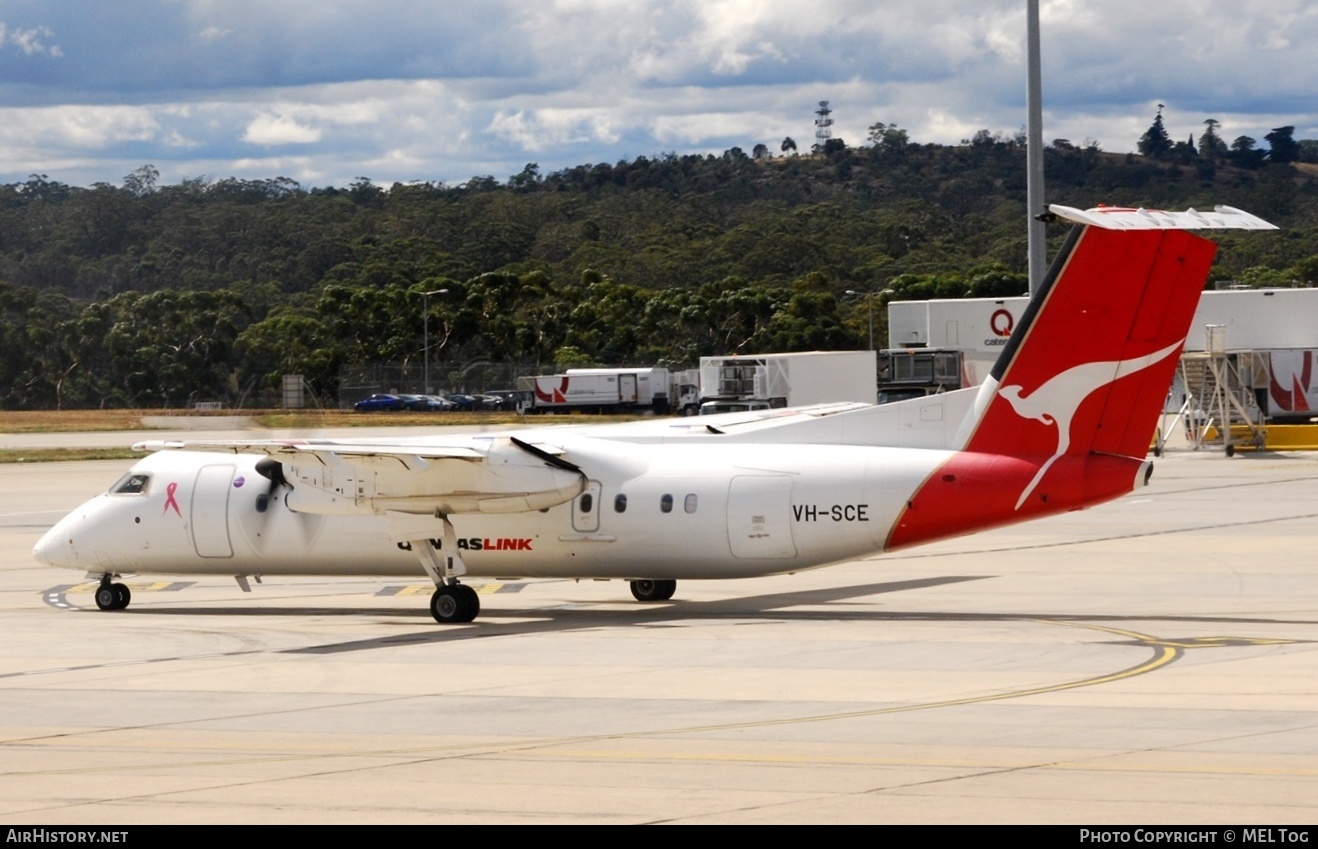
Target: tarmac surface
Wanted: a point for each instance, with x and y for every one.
(1153, 660)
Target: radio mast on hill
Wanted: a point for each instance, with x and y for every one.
(823, 123)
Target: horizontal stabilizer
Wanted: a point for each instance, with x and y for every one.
(1126, 218)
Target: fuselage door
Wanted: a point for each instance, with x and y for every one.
(759, 517)
(210, 511)
(586, 509)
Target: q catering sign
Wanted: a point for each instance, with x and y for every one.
(1001, 324)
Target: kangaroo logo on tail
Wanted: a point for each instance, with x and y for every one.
(1056, 401)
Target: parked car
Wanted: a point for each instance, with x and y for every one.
(413, 402)
(438, 404)
(511, 399)
(463, 402)
(377, 402)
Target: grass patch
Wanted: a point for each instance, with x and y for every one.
(69, 421)
(294, 419)
(50, 455)
(89, 421)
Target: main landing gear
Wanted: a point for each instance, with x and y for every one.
(454, 603)
(653, 590)
(112, 596)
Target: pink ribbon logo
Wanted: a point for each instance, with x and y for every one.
(169, 500)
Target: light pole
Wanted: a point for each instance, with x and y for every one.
(425, 309)
(869, 300)
(1036, 232)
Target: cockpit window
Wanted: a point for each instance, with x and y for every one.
(133, 483)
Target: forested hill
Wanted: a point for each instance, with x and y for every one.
(158, 295)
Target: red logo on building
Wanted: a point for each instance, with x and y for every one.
(1001, 323)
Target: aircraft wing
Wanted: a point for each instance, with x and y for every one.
(502, 474)
(751, 423)
(326, 450)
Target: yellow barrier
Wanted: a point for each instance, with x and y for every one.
(1275, 437)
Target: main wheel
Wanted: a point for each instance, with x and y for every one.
(648, 590)
(472, 600)
(445, 606)
(454, 604)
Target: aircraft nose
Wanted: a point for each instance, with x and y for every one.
(56, 547)
(44, 552)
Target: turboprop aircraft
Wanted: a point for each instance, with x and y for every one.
(1064, 422)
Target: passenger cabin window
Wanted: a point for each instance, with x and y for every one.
(666, 503)
(690, 504)
(133, 483)
(620, 503)
(587, 503)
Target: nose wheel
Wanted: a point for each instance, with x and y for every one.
(112, 596)
(648, 590)
(454, 604)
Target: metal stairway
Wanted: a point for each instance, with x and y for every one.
(1219, 405)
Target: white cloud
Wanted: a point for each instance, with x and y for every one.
(214, 33)
(404, 89)
(517, 128)
(395, 161)
(174, 138)
(78, 127)
(270, 130)
(699, 128)
(541, 129)
(31, 41)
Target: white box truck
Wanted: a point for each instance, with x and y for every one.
(787, 380)
(611, 390)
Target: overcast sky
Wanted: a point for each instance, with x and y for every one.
(401, 90)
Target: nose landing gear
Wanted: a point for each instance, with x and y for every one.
(112, 596)
(651, 590)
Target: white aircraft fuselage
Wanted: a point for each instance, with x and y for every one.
(669, 511)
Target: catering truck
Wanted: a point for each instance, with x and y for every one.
(612, 390)
(741, 382)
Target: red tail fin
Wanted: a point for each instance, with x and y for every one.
(1091, 369)
(1069, 411)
